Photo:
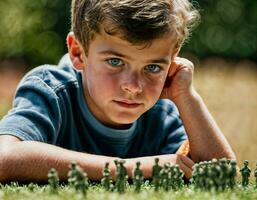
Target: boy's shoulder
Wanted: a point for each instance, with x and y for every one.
(54, 77)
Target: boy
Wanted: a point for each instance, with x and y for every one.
(116, 95)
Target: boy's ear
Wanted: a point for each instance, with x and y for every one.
(75, 51)
(175, 53)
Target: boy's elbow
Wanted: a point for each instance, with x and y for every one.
(3, 167)
(6, 157)
(7, 164)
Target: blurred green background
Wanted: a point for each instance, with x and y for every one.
(223, 48)
(34, 31)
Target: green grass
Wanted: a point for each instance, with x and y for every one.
(14, 191)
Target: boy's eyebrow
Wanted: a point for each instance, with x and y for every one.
(160, 60)
(115, 53)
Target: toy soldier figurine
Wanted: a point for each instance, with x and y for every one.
(124, 174)
(232, 174)
(53, 180)
(118, 177)
(172, 177)
(81, 183)
(255, 175)
(156, 179)
(121, 176)
(138, 177)
(211, 173)
(106, 180)
(179, 177)
(195, 174)
(201, 175)
(72, 174)
(164, 175)
(217, 173)
(224, 172)
(245, 172)
(206, 176)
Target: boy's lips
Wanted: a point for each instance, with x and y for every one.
(127, 103)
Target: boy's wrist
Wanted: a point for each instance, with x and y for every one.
(186, 97)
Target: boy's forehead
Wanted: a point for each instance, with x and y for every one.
(107, 28)
(163, 45)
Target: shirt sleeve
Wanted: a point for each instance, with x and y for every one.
(175, 133)
(35, 114)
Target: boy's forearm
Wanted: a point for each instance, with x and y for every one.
(31, 161)
(205, 138)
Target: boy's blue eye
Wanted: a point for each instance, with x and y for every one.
(153, 68)
(115, 62)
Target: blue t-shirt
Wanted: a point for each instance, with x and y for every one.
(49, 107)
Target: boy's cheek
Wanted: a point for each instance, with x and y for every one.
(154, 93)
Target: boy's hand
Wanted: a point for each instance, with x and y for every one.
(179, 79)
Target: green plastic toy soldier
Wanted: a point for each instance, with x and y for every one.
(216, 174)
(210, 174)
(224, 173)
(179, 182)
(245, 172)
(124, 174)
(138, 177)
(201, 175)
(205, 177)
(164, 175)
(255, 175)
(81, 183)
(156, 179)
(53, 180)
(106, 181)
(72, 174)
(117, 175)
(232, 174)
(194, 179)
(121, 176)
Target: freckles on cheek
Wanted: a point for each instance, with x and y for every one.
(156, 87)
(155, 90)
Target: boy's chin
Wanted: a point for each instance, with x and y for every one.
(124, 123)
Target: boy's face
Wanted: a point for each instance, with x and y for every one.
(122, 81)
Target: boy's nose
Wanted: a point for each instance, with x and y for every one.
(132, 85)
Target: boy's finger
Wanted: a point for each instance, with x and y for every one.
(187, 170)
(187, 161)
(184, 62)
(173, 68)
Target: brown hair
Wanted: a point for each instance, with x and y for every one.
(137, 21)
